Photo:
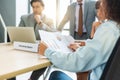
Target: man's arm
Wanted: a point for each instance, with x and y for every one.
(64, 20)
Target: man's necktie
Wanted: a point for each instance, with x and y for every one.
(80, 23)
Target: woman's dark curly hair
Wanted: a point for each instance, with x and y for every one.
(112, 9)
(97, 5)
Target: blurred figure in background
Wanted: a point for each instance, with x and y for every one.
(81, 15)
(37, 19)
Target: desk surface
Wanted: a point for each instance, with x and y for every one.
(14, 62)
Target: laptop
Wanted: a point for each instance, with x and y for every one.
(21, 34)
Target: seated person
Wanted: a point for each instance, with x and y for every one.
(37, 19)
(96, 52)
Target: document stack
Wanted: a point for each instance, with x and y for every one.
(56, 41)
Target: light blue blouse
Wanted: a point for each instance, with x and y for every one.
(93, 56)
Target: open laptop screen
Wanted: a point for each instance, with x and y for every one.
(22, 34)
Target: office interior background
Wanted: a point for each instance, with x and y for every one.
(12, 10)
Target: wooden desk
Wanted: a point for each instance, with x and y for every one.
(15, 62)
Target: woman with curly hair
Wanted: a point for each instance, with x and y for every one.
(95, 54)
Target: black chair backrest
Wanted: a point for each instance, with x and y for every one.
(112, 68)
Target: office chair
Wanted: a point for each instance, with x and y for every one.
(112, 68)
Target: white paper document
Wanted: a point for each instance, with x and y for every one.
(57, 41)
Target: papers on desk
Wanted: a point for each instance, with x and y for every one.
(57, 41)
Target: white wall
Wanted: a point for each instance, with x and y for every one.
(21, 9)
(7, 10)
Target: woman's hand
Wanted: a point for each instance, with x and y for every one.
(74, 46)
(42, 47)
